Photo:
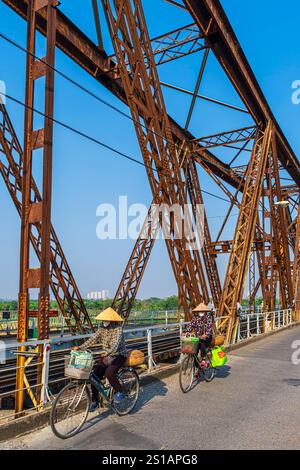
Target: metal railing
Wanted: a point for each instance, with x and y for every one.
(158, 342)
(58, 325)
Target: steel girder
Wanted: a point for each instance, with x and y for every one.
(280, 229)
(132, 44)
(135, 268)
(217, 30)
(244, 234)
(36, 212)
(226, 138)
(296, 269)
(62, 282)
(175, 44)
(73, 42)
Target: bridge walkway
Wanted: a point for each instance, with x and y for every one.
(252, 403)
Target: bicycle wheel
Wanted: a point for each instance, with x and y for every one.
(70, 410)
(209, 372)
(130, 382)
(187, 373)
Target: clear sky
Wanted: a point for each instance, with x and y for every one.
(86, 175)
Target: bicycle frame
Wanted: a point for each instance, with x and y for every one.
(105, 392)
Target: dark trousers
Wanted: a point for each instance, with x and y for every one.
(203, 345)
(110, 372)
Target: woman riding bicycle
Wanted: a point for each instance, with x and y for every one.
(201, 325)
(111, 339)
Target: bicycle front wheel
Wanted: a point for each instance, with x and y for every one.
(130, 382)
(70, 410)
(187, 373)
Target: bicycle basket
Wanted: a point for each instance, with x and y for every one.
(79, 365)
(189, 344)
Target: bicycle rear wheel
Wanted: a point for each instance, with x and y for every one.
(70, 410)
(187, 373)
(130, 382)
(209, 372)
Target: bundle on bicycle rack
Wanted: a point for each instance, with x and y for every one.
(135, 358)
(189, 344)
(79, 365)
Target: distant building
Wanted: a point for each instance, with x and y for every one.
(102, 295)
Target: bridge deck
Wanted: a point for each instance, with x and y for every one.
(252, 403)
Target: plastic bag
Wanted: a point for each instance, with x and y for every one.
(218, 356)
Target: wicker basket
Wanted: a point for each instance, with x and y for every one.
(218, 340)
(79, 365)
(135, 358)
(189, 345)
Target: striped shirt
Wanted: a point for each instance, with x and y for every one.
(110, 339)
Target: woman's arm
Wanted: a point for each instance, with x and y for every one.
(94, 339)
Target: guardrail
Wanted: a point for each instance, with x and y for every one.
(157, 342)
(9, 327)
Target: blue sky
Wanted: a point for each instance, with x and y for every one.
(85, 175)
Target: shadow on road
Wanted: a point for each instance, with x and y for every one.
(157, 388)
(147, 393)
(293, 382)
(223, 372)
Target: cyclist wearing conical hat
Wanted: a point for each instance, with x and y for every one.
(110, 338)
(201, 325)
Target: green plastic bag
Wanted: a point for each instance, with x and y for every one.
(218, 356)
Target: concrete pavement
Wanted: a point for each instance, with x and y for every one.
(253, 403)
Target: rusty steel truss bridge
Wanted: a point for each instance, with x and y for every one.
(264, 248)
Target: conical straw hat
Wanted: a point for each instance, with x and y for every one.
(109, 314)
(202, 308)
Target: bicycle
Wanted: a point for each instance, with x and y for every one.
(71, 406)
(188, 367)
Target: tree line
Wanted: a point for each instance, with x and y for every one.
(140, 305)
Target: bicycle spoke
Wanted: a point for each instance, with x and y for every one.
(70, 410)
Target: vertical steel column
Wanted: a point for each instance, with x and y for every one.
(252, 284)
(36, 212)
(296, 269)
(280, 230)
(244, 234)
(63, 284)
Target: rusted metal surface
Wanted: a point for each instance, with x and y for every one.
(37, 277)
(71, 40)
(135, 268)
(279, 223)
(267, 234)
(62, 282)
(296, 269)
(245, 229)
(227, 138)
(214, 24)
(132, 44)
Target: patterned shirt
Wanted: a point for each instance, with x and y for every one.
(110, 339)
(200, 326)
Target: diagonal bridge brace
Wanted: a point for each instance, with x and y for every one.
(63, 284)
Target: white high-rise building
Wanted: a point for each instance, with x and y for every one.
(101, 295)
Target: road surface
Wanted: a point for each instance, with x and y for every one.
(253, 403)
